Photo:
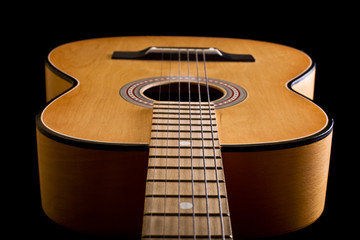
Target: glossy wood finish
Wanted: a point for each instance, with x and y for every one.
(84, 135)
(95, 111)
(185, 171)
(55, 85)
(91, 190)
(278, 191)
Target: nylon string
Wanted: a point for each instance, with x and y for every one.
(179, 91)
(214, 152)
(191, 147)
(203, 147)
(167, 147)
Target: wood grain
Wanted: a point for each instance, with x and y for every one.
(191, 174)
(270, 191)
(95, 111)
(55, 85)
(90, 190)
(306, 86)
(279, 191)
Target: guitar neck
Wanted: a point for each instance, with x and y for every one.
(185, 192)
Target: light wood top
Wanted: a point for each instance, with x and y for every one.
(94, 109)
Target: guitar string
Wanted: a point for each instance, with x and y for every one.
(214, 151)
(192, 176)
(203, 148)
(179, 74)
(191, 147)
(167, 146)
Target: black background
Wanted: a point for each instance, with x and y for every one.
(326, 32)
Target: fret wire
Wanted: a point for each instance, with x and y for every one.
(206, 196)
(183, 104)
(188, 214)
(184, 138)
(182, 147)
(178, 113)
(183, 127)
(174, 118)
(183, 108)
(185, 174)
(184, 180)
(212, 135)
(179, 167)
(184, 131)
(183, 124)
(185, 188)
(201, 157)
(191, 149)
(172, 207)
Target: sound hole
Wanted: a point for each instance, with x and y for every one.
(170, 92)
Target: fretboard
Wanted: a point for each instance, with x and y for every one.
(185, 194)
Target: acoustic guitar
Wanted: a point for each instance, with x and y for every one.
(182, 138)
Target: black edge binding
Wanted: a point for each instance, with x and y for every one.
(144, 147)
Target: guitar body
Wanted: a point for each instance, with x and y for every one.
(93, 143)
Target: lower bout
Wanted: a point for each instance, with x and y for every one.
(277, 191)
(102, 191)
(98, 192)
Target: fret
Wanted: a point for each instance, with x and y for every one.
(179, 157)
(184, 152)
(175, 142)
(180, 168)
(184, 147)
(182, 127)
(182, 112)
(192, 104)
(182, 131)
(184, 162)
(183, 124)
(182, 104)
(183, 108)
(176, 117)
(196, 135)
(157, 205)
(185, 196)
(183, 138)
(172, 188)
(183, 116)
(185, 174)
(164, 120)
(186, 214)
(182, 180)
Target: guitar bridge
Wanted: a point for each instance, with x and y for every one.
(184, 53)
